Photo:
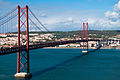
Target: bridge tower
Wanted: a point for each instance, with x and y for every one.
(23, 43)
(85, 38)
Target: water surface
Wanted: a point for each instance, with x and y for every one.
(66, 64)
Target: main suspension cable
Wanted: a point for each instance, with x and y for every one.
(38, 21)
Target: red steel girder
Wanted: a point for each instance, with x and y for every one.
(85, 35)
(23, 58)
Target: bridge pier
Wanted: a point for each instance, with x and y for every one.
(23, 75)
(84, 51)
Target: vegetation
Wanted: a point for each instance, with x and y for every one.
(92, 33)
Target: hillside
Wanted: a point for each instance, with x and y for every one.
(92, 33)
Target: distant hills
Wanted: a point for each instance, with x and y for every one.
(92, 33)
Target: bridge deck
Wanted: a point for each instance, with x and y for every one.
(11, 50)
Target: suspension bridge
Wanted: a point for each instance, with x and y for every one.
(21, 21)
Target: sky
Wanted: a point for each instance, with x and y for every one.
(68, 15)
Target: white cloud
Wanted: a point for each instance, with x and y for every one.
(111, 14)
(73, 20)
(117, 6)
(43, 14)
(70, 19)
(34, 30)
(114, 16)
(110, 20)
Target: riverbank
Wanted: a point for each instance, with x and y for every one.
(105, 47)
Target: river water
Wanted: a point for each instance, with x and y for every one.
(66, 64)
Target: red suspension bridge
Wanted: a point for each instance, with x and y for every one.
(20, 21)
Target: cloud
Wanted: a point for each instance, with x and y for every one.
(73, 19)
(66, 24)
(35, 30)
(114, 16)
(109, 21)
(117, 6)
(43, 14)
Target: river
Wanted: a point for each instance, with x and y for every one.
(66, 64)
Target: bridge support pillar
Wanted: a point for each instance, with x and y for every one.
(23, 43)
(23, 75)
(85, 38)
(84, 51)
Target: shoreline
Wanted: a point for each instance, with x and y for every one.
(81, 48)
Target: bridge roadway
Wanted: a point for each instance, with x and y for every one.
(14, 49)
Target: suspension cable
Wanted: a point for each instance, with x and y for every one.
(7, 20)
(35, 25)
(7, 14)
(38, 21)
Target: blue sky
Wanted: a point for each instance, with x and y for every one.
(67, 4)
(74, 4)
(69, 14)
